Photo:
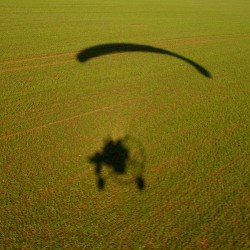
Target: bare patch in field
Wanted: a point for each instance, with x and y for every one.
(81, 207)
(204, 243)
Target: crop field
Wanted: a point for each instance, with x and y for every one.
(124, 124)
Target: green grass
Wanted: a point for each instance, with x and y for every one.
(56, 112)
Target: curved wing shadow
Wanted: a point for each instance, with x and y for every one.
(111, 48)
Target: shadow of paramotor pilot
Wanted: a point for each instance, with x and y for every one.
(115, 155)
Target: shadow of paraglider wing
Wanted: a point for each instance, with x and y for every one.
(112, 48)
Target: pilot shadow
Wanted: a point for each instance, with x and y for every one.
(121, 158)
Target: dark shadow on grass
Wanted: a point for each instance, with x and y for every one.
(123, 156)
(111, 48)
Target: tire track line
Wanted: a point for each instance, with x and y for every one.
(106, 108)
(37, 57)
(36, 66)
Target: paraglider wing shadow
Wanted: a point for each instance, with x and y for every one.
(111, 48)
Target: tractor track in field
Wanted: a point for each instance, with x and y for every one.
(38, 57)
(106, 108)
(201, 39)
(36, 65)
(175, 42)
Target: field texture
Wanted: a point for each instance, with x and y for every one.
(124, 124)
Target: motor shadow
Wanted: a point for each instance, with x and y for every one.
(123, 156)
(111, 48)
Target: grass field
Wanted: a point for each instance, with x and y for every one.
(172, 104)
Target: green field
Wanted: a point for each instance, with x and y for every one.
(124, 124)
